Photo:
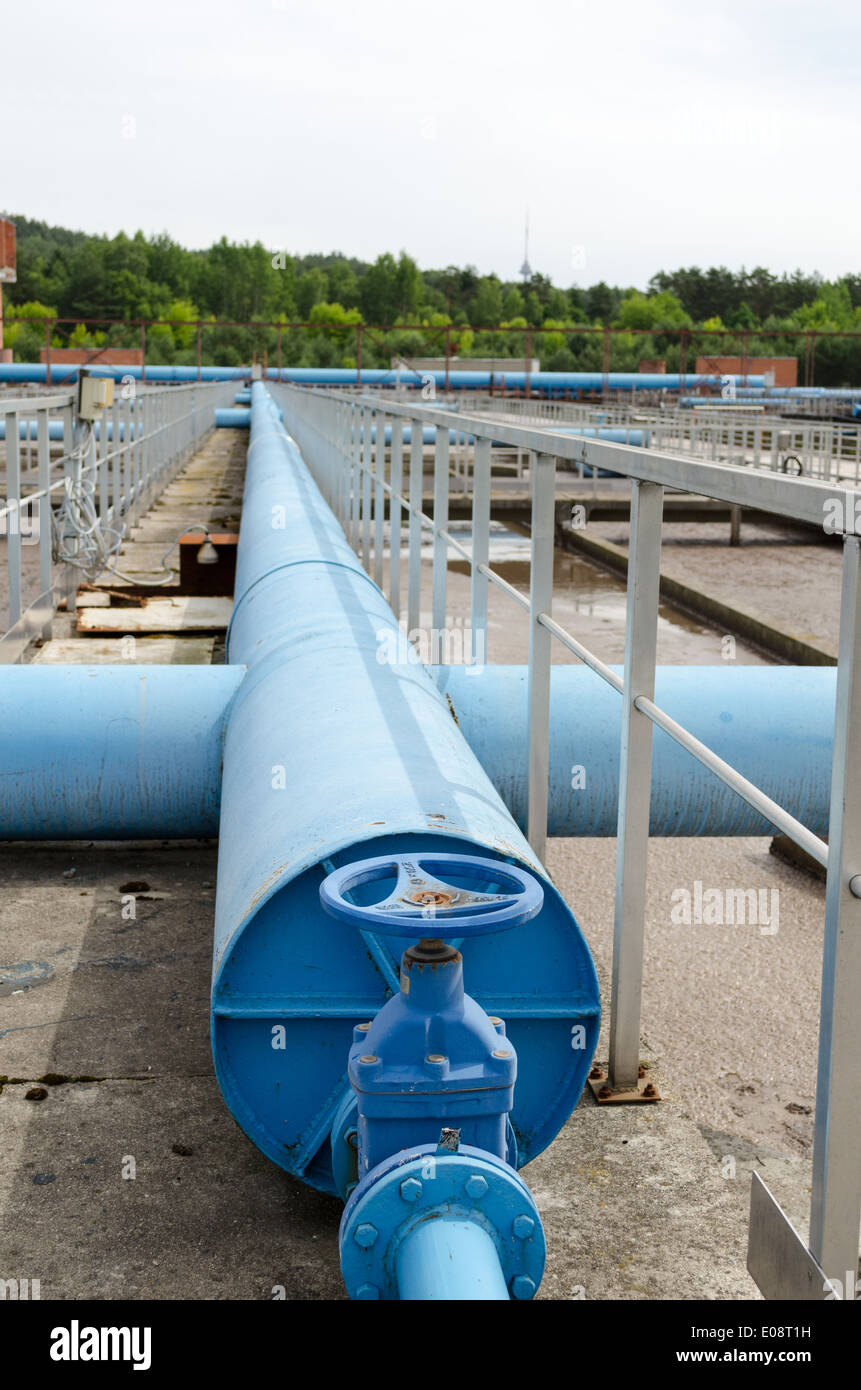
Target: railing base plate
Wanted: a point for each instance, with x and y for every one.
(645, 1092)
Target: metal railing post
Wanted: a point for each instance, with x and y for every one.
(356, 478)
(440, 524)
(44, 513)
(480, 549)
(115, 461)
(635, 779)
(13, 516)
(100, 453)
(129, 424)
(835, 1208)
(379, 499)
(397, 481)
(542, 472)
(414, 567)
(367, 456)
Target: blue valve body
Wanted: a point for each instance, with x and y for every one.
(432, 1058)
(438, 1060)
(433, 1079)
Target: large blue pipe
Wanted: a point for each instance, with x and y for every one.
(112, 752)
(622, 435)
(233, 418)
(541, 383)
(65, 373)
(30, 429)
(331, 756)
(773, 723)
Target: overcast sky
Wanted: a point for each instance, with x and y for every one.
(640, 135)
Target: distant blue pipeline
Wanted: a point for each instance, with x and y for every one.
(548, 384)
(236, 418)
(29, 429)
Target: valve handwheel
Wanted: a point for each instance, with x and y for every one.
(424, 904)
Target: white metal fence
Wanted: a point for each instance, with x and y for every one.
(745, 436)
(72, 490)
(343, 440)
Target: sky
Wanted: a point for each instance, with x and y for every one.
(639, 136)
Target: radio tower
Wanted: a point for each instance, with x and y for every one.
(526, 268)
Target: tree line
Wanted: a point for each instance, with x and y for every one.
(83, 278)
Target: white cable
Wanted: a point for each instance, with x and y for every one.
(80, 538)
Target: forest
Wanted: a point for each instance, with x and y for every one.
(82, 279)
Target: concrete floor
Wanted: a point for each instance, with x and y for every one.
(105, 1047)
(789, 577)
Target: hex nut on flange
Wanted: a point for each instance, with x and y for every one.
(476, 1186)
(365, 1235)
(411, 1189)
(367, 1291)
(522, 1227)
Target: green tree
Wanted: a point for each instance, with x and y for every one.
(311, 288)
(486, 307)
(512, 303)
(651, 311)
(600, 302)
(378, 292)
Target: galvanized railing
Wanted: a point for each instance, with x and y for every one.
(111, 473)
(343, 440)
(730, 434)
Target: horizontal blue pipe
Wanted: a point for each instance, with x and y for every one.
(230, 417)
(636, 437)
(112, 752)
(542, 383)
(64, 373)
(450, 1258)
(781, 396)
(774, 724)
(30, 428)
(539, 382)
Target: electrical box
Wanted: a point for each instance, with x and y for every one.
(95, 394)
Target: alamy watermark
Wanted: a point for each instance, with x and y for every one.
(726, 907)
(457, 644)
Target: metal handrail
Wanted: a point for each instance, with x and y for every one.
(153, 431)
(334, 431)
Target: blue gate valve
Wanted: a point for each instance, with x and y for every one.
(433, 1063)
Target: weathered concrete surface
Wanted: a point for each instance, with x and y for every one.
(113, 995)
(215, 1220)
(126, 1002)
(784, 578)
(631, 1197)
(771, 635)
(635, 1206)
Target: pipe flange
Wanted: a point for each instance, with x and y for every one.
(430, 1182)
(344, 1143)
